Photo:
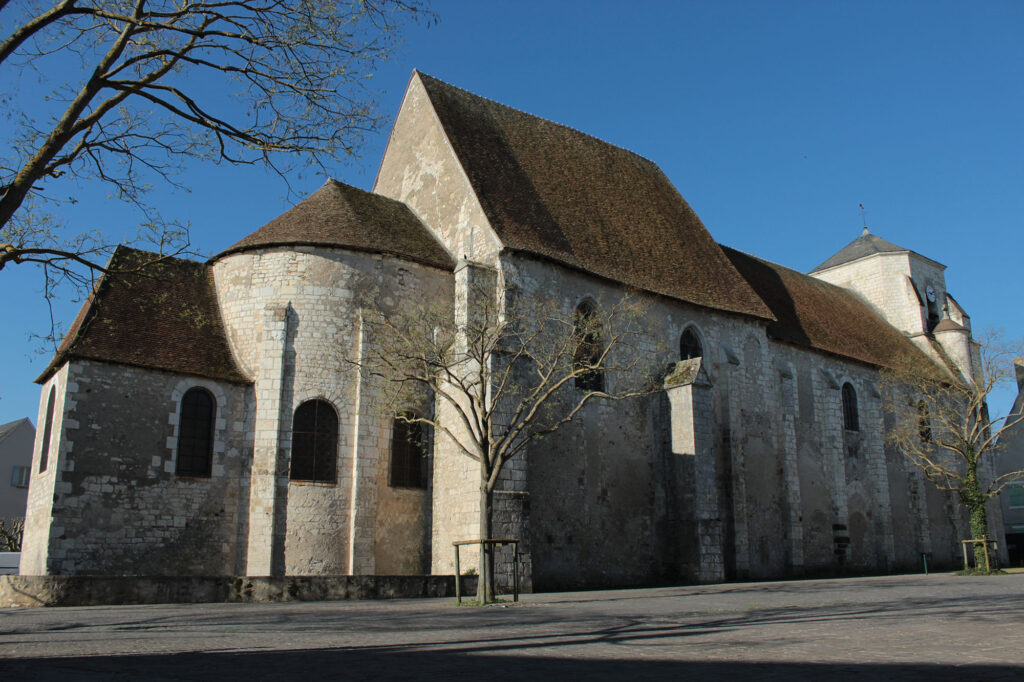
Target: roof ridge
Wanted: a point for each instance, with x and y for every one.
(540, 118)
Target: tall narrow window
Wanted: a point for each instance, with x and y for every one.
(850, 419)
(587, 358)
(408, 453)
(689, 345)
(47, 430)
(315, 443)
(924, 423)
(195, 433)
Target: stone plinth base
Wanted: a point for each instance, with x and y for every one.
(55, 590)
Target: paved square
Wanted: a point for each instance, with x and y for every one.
(898, 628)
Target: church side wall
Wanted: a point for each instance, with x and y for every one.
(118, 507)
(796, 493)
(318, 294)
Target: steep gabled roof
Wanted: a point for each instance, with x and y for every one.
(863, 246)
(163, 316)
(555, 192)
(8, 428)
(815, 314)
(339, 215)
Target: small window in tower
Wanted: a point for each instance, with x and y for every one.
(851, 422)
(408, 452)
(689, 345)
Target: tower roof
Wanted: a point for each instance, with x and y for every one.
(339, 215)
(814, 314)
(552, 191)
(863, 246)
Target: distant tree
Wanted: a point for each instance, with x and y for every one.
(505, 375)
(941, 423)
(142, 85)
(11, 533)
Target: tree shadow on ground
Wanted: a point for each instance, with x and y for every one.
(362, 664)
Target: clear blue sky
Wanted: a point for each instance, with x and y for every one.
(774, 120)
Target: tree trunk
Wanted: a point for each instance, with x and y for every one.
(485, 587)
(975, 503)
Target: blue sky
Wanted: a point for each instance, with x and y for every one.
(773, 119)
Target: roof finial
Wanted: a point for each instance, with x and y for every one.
(864, 220)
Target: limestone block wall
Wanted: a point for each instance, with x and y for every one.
(420, 168)
(118, 507)
(43, 485)
(293, 317)
(887, 281)
(796, 492)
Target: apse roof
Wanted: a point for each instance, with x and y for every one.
(339, 215)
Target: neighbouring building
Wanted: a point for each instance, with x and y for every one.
(16, 439)
(1011, 458)
(199, 421)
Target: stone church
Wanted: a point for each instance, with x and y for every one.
(197, 420)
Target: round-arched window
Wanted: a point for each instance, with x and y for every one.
(315, 443)
(851, 422)
(195, 433)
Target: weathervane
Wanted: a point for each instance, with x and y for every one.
(863, 217)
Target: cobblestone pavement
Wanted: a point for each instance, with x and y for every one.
(898, 628)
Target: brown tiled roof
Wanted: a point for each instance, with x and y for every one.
(815, 314)
(340, 215)
(555, 192)
(165, 316)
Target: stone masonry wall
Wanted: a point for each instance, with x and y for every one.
(796, 492)
(118, 507)
(323, 528)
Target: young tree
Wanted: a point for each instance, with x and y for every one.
(151, 83)
(506, 373)
(11, 533)
(941, 423)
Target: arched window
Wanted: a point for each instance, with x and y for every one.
(689, 345)
(588, 348)
(924, 423)
(850, 420)
(408, 453)
(47, 429)
(315, 443)
(195, 433)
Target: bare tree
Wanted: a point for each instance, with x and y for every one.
(505, 373)
(942, 425)
(146, 85)
(11, 533)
